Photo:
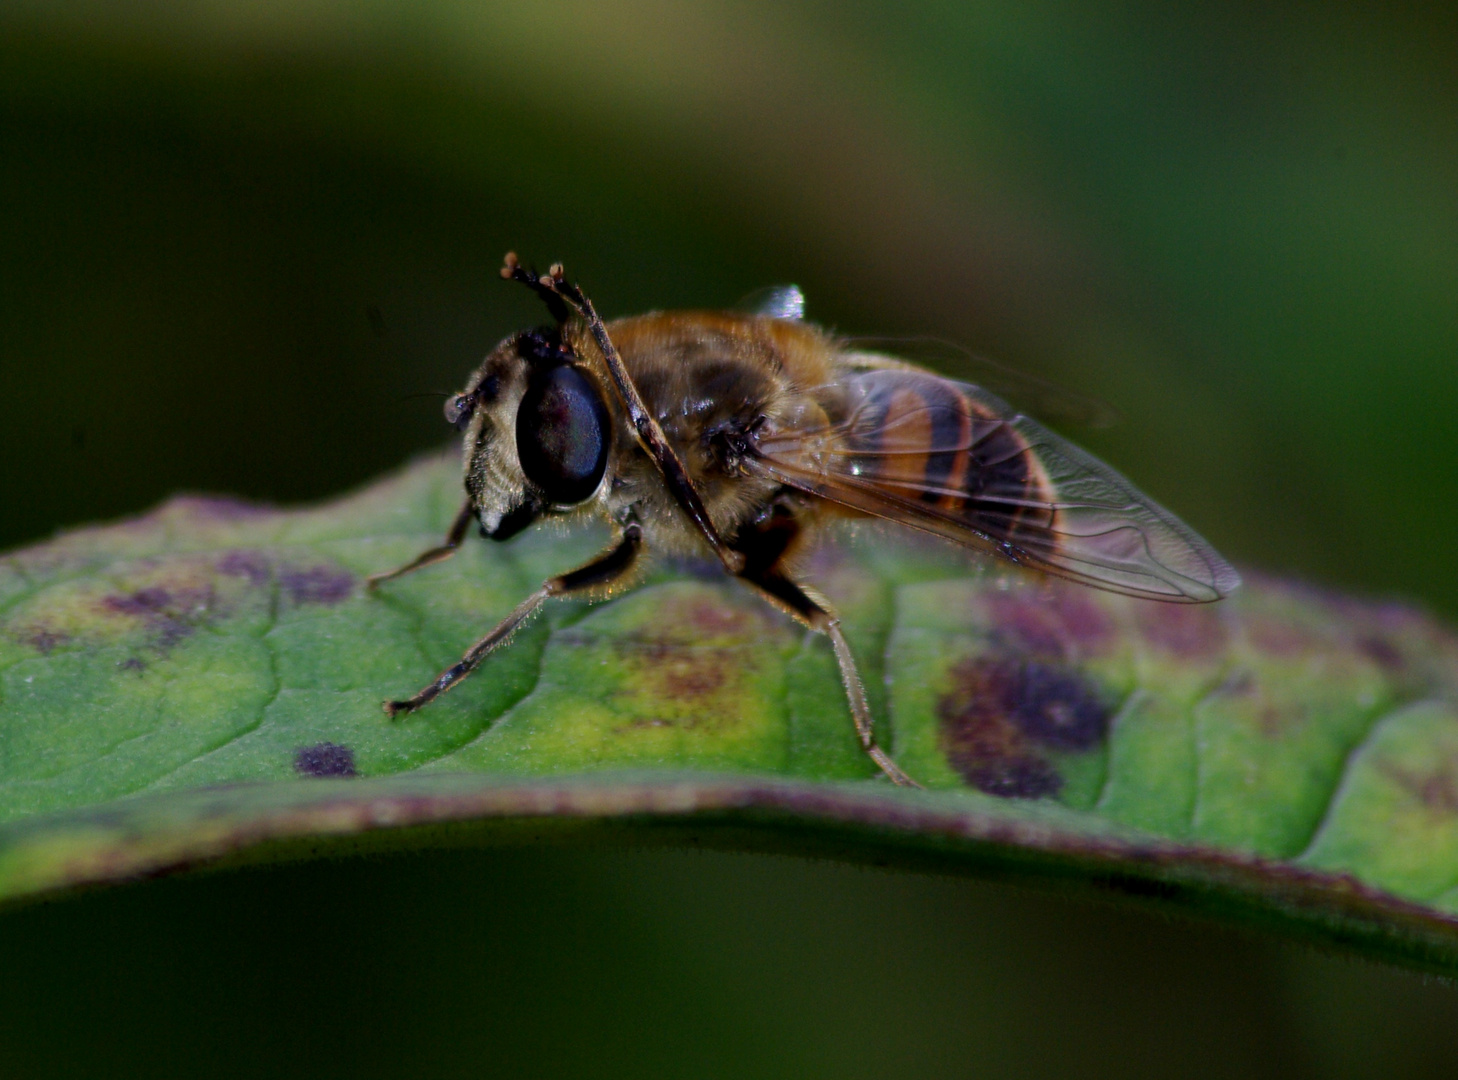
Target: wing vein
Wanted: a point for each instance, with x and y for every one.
(1034, 498)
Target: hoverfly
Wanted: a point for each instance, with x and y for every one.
(742, 432)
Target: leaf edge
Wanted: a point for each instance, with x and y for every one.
(860, 823)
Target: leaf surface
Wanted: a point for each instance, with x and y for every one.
(205, 682)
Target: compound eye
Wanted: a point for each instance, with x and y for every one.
(458, 410)
(563, 434)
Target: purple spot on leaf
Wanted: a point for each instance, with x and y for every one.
(324, 759)
(1002, 713)
(1055, 621)
(1054, 706)
(1185, 631)
(141, 603)
(171, 616)
(1381, 652)
(252, 565)
(316, 585)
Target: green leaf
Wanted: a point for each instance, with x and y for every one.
(205, 683)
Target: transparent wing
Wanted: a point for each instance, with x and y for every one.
(1026, 391)
(954, 460)
(776, 301)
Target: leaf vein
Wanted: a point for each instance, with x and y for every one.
(1378, 716)
(232, 737)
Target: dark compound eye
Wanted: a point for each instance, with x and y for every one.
(563, 434)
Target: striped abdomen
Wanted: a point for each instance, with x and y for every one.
(947, 446)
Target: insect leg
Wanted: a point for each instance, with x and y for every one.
(604, 570)
(435, 554)
(650, 434)
(764, 545)
(818, 616)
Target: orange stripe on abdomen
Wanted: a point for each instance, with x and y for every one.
(1001, 477)
(906, 428)
(948, 469)
(929, 440)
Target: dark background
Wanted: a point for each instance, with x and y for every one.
(237, 241)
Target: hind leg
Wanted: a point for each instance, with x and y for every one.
(764, 545)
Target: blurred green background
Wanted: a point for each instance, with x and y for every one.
(240, 245)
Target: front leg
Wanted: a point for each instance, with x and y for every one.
(607, 568)
(434, 555)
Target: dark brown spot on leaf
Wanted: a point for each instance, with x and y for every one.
(990, 753)
(1002, 712)
(43, 639)
(133, 664)
(686, 673)
(1056, 707)
(669, 671)
(324, 759)
(1047, 704)
(682, 659)
(316, 584)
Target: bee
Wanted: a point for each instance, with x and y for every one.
(740, 433)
